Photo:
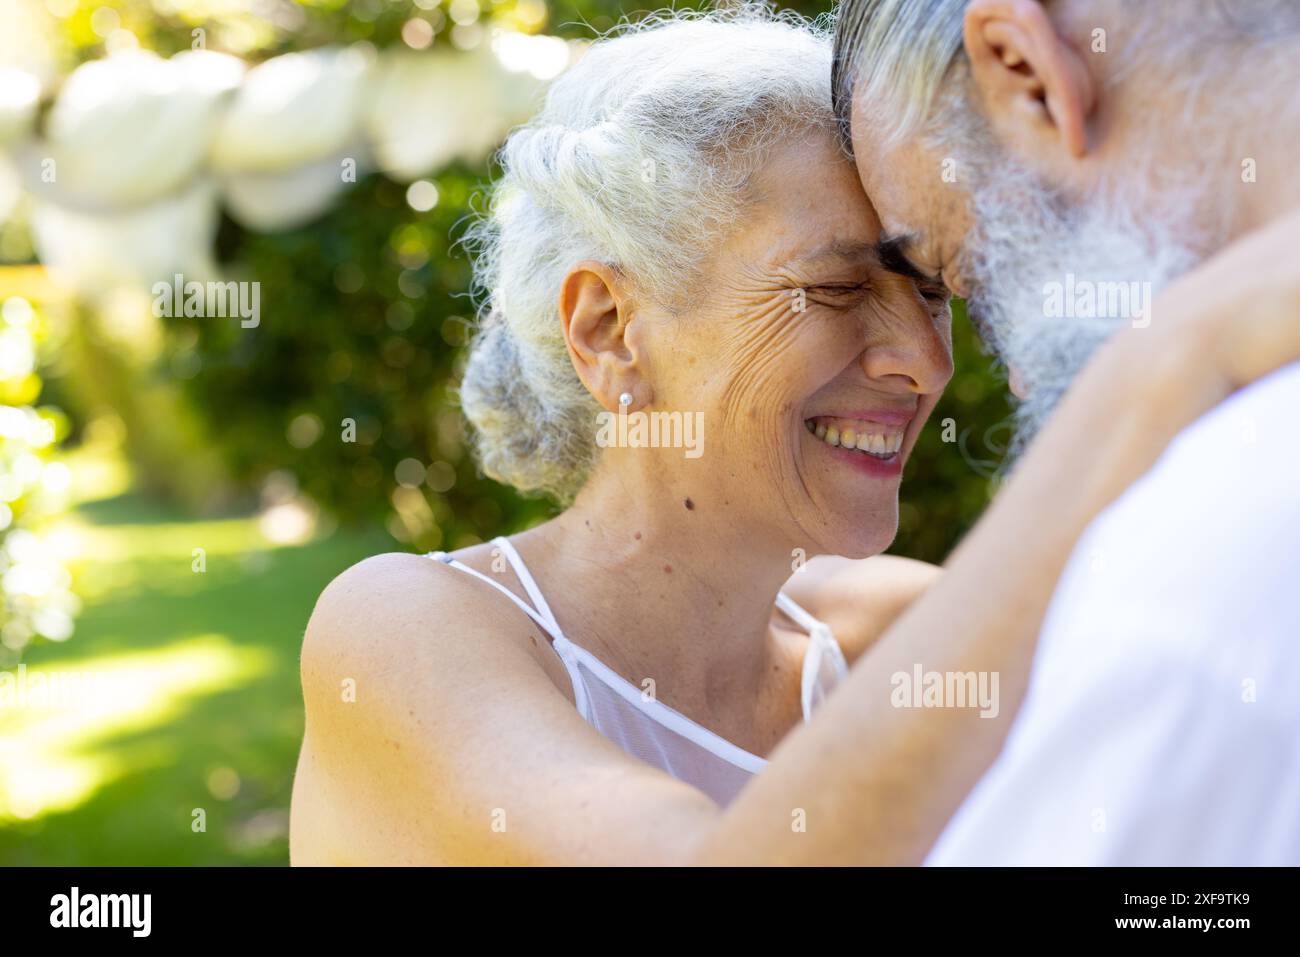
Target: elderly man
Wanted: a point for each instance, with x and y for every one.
(1057, 164)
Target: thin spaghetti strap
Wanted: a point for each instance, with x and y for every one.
(530, 585)
(543, 616)
(795, 611)
(821, 645)
(523, 605)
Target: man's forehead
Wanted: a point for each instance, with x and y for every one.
(897, 190)
(894, 180)
(864, 121)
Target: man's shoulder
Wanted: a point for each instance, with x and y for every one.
(1258, 423)
(1206, 543)
(1167, 658)
(1233, 469)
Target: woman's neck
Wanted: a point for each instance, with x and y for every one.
(663, 586)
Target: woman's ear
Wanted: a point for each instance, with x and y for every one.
(1035, 89)
(596, 314)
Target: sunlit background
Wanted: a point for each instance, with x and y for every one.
(175, 491)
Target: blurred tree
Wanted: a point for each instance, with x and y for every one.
(36, 600)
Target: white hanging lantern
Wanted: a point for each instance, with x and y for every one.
(292, 110)
(130, 128)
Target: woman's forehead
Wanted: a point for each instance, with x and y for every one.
(809, 205)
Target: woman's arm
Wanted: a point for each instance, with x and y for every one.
(877, 784)
(860, 598)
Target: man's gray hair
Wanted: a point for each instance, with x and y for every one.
(901, 55)
(896, 55)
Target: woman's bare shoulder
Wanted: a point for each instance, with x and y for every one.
(382, 604)
(413, 624)
(423, 688)
(860, 598)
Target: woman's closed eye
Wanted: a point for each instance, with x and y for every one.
(839, 295)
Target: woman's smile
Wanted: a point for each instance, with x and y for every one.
(870, 441)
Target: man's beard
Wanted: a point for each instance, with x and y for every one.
(1028, 240)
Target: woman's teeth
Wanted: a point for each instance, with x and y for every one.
(861, 437)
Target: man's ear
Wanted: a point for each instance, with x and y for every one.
(1034, 86)
(596, 313)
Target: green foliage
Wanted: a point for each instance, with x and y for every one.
(35, 585)
(211, 717)
(363, 316)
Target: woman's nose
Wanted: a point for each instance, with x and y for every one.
(914, 355)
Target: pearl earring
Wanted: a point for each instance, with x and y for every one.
(625, 399)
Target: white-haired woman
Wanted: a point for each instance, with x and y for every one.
(647, 678)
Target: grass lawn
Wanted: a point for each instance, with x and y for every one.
(196, 712)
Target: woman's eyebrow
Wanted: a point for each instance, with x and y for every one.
(892, 252)
(840, 251)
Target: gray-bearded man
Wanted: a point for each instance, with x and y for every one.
(1058, 164)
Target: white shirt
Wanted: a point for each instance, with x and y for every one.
(1162, 720)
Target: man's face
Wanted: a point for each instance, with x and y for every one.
(920, 198)
(1005, 240)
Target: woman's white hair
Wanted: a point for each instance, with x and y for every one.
(638, 159)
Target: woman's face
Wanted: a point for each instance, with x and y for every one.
(797, 344)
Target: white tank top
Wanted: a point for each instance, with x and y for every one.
(644, 727)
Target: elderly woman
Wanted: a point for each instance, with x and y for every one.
(657, 675)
